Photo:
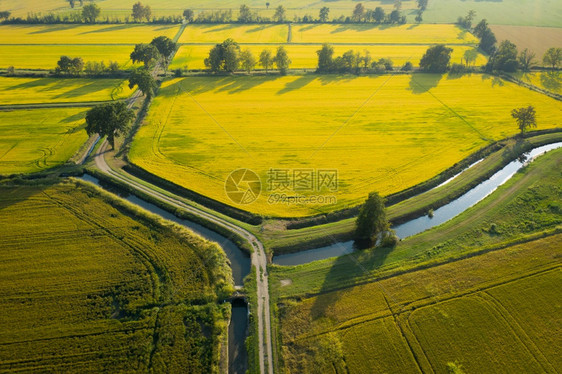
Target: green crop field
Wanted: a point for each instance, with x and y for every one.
(82, 34)
(46, 56)
(56, 90)
(268, 33)
(91, 285)
(495, 312)
(402, 34)
(346, 123)
(32, 140)
(305, 57)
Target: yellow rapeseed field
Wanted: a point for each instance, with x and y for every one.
(266, 33)
(84, 34)
(54, 90)
(305, 57)
(46, 56)
(548, 80)
(369, 33)
(381, 133)
(32, 140)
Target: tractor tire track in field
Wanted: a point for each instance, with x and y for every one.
(518, 331)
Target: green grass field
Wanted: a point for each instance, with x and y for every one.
(479, 313)
(82, 34)
(57, 90)
(305, 57)
(46, 56)
(346, 123)
(90, 285)
(33, 140)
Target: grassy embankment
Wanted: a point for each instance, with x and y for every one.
(326, 122)
(478, 292)
(91, 283)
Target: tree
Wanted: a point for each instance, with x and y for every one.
(188, 15)
(372, 220)
(71, 2)
(480, 28)
(505, 57)
(394, 16)
(358, 13)
(145, 53)
(470, 55)
(422, 4)
(267, 5)
(466, 22)
(552, 57)
(140, 12)
(76, 66)
(5, 14)
(397, 5)
(323, 16)
(231, 58)
(63, 64)
(69, 65)
(436, 59)
(245, 15)
(164, 45)
(279, 15)
(224, 56)
(109, 120)
(247, 60)
(144, 80)
(408, 66)
(525, 118)
(488, 41)
(379, 15)
(90, 12)
(325, 58)
(266, 59)
(282, 60)
(419, 17)
(526, 59)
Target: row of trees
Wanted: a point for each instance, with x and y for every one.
(363, 15)
(228, 57)
(353, 62)
(75, 66)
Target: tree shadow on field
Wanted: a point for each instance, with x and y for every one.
(230, 84)
(75, 117)
(552, 81)
(516, 151)
(298, 83)
(261, 27)
(421, 83)
(53, 28)
(352, 268)
(111, 28)
(238, 84)
(13, 195)
(496, 81)
(332, 78)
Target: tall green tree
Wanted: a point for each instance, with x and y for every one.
(223, 56)
(247, 60)
(379, 15)
(188, 14)
(436, 59)
(266, 60)
(145, 53)
(422, 4)
(5, 14)
(358, 13)
(480, 28)
(325, 58)
(280, 14)
(282, 60)
(526, 59)
(505, 58)
(323, 15)
(245, 14)
(231, 58)
(164, 45)
(525, 118)
(144, 80)
(109, 120)
(553, 57)
(90, 12)
(372, 219)
(141, 11)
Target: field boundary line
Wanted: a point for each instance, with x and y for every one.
(83, 104)
(517, 329)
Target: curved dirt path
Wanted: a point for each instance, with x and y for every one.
(258, 258)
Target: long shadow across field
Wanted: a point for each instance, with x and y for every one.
(421, 83)
(346, 268)
(230, 84)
